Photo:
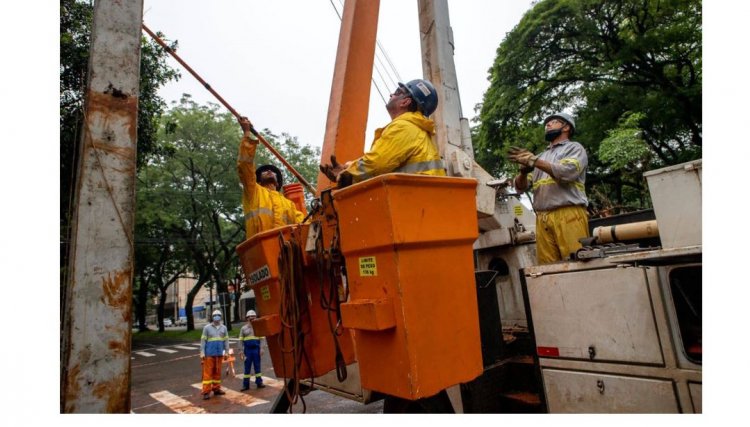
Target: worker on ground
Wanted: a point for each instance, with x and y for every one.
(404, 145)
(250, 352)
(214, 346)
(557, 177)
(264, 207)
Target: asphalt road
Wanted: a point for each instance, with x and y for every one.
(166, 379)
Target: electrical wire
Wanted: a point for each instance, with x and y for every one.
(330, 301)
(376, 66)
(292, 311)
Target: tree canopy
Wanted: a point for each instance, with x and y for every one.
(76, 18)
(617, 65)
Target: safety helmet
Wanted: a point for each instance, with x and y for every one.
(250, 313)
(279, 176)
(217, 311)
(564, 117)
(423, 93)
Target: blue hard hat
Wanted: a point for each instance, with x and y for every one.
(423, 93)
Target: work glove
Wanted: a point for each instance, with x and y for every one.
(523, 157)
(333, 170)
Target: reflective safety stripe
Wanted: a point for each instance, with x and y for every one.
(361, 170)
(247, 376)
(257, 212)
(207, 382)
(258, 375)
(571, 161)
(217, 339)
(216, 381)
(250, 337)
(550, 181)
(421, 166)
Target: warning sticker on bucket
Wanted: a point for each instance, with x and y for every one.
(368, 266)
(265, 293)
(260, 275)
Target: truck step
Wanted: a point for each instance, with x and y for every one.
(523, 397)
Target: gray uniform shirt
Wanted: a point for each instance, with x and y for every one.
(567, 187)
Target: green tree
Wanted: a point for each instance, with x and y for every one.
(76, 18)
(599, 59)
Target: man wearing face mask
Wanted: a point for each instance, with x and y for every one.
(262, 203)
(214, 346)
(557, 177)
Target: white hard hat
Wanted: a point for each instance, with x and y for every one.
(566, 118)
(250, 313)
(217, 311)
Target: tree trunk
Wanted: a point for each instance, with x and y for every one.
(141, 301)
(189, 303)
(160, 309)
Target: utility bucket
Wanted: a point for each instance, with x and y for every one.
(296, 326)
(407, 240)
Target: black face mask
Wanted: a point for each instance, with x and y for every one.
(551, 135)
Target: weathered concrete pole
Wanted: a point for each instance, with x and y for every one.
(95, 359)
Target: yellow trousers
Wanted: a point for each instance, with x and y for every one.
(558, 231)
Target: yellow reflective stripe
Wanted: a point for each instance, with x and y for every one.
(216, 381)
(545, 181)
(257, 212)
(550, 181)
(247, 376)
(207, 382)
(258, 375)
(251, 337)
(421, 166)
(217, 339)
(571, 161)
(203, 337)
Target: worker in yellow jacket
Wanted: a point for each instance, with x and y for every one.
(264, 207)
(404, 145)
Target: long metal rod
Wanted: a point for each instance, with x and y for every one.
(231, 110)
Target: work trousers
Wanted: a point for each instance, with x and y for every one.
(252, 359)
(558, 231)
(211, 373)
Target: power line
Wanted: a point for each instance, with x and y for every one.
(378, 64)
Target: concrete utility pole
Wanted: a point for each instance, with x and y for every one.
(95, 359)
(452, 130)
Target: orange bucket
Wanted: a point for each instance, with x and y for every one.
(296, 194)
(408, 244)
(259, 257)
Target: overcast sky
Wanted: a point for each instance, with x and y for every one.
(273, 60)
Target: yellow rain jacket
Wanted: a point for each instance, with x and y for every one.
(404, 145)
(264, 209)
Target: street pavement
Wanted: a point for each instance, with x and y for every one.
(167, 379)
